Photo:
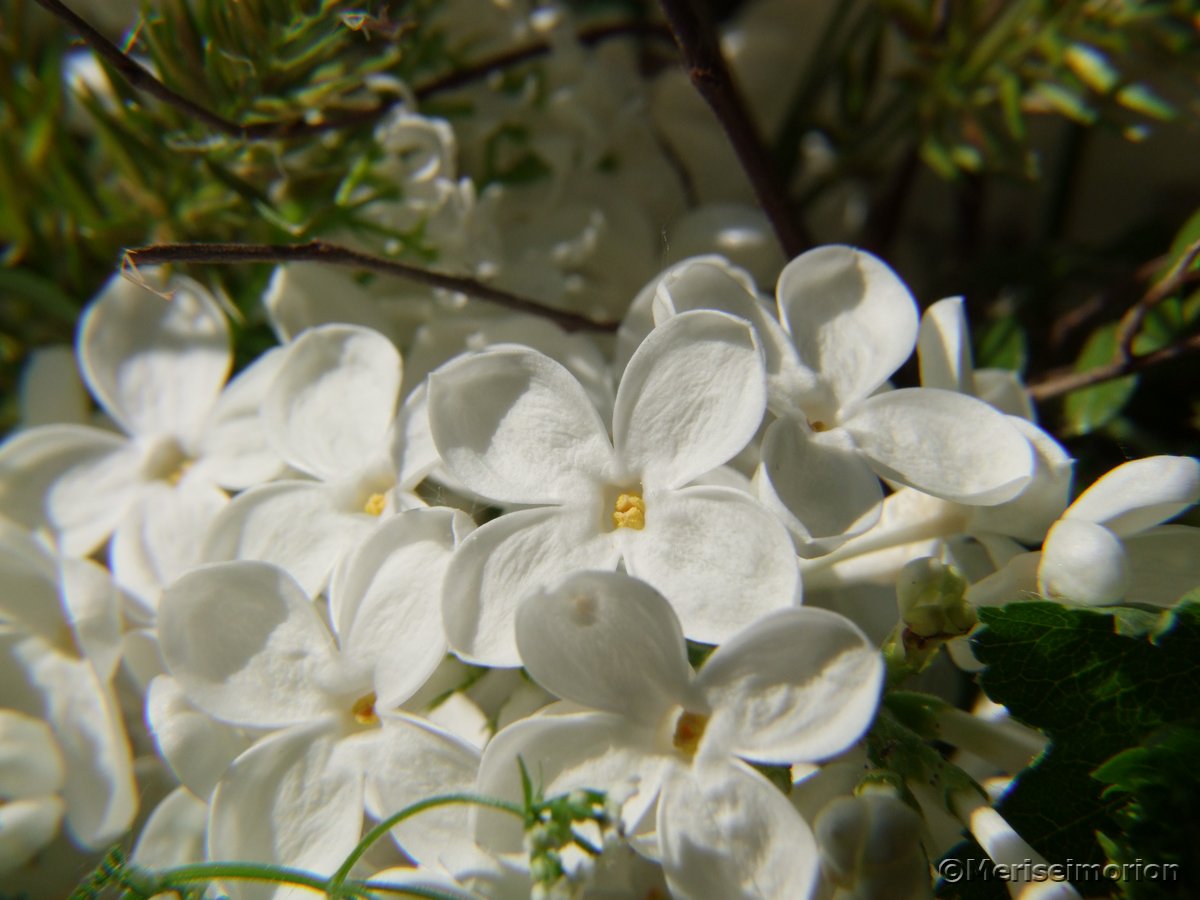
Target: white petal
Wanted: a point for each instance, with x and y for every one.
(561, 753)
(51, 391)
(288, 800)
(818, 484)
(692, 396)
(1164, 564)
(174, 833)
(234, 451)
(410, 760)
(29, 593)
(246, 644)
(26, 826)
(944, 348)
(726, 832)
(1083, 562)
(99, 789)
(156, 364)
(1004, 390)
(606, 641)
(90, 602)
(505, 561)
(385, 599)
(799, 685)
(30, 762)
(945, 444)
(1140, 494)
(414, 454)
(197, 747)
(852, 319)
(162, 536)
(305, 295)
(716, 555)
(30, 461)
(85, 504)
(515, 426)
(328, 410)
(711, 283)
(301, 526)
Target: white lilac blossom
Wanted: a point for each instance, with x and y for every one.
(1110, 545)
(515, 427)
(331, 413)
(846, 323)
(798, 685)
(248, 647)
(31, 779)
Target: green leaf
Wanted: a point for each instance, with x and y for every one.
(1001, 344)
(1096, 693)
(1090, 408)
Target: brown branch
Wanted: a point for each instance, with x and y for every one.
(1172, 280)
(142, 80)
(333, 254)
(1055, 384)
(701, 51)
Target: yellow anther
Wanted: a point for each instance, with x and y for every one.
(175, 477)
(818, 425)
(629, 512)
(363, 710)
(375, 504)
(689, 729)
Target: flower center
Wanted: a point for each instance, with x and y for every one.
(375, 504)
(629, 511)
(689, 729)
(817, 425)
(363, 710)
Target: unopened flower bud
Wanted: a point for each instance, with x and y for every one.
(931, 597)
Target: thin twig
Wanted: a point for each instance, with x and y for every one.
(141, 79)
(1055, 384)
(333, 254)
(1172, 280)
(701, 51)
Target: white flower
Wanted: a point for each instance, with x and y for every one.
(798, 685)
(514, 426)
(248, 647)
(31, 777)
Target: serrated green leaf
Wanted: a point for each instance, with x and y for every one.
(1096, 693)
(1090, 408)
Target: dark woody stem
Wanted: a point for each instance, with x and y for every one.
(706, 68)
(334, 254)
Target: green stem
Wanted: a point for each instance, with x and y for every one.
(390, 822)
(173, 879)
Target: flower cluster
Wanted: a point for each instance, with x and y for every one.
(426, 548)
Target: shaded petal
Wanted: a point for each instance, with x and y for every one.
(514, 425)
(1140, 494)
(30, 601)
(99, 788)
(156, 364)
(711, 283)
(26, 826)
(1004, 390)
(288, 800)
(30, 763)
(408, 760)
(716, 555)
(385, 599)
(162, 536)
(30, 462)
(799, 685)
(90, 601)
(726, 832)
(942, 443)
(605, 641)
(598, 751)
(234, 451)
(506, 560)
(1164, 564)
(818, 484)
(328, 410)
(197, 747)
(85, 504)
(246, 644)
(944, 348)
(692, 396)
(851, 318)
(1083, 562)
(413, 452)
(306, 295)
(174, 833)
(301, 526)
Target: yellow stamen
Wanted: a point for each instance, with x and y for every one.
(375, 504)
(175, 477)
(629, 512)
(818, 426)
(363, 710)
(689, 729)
